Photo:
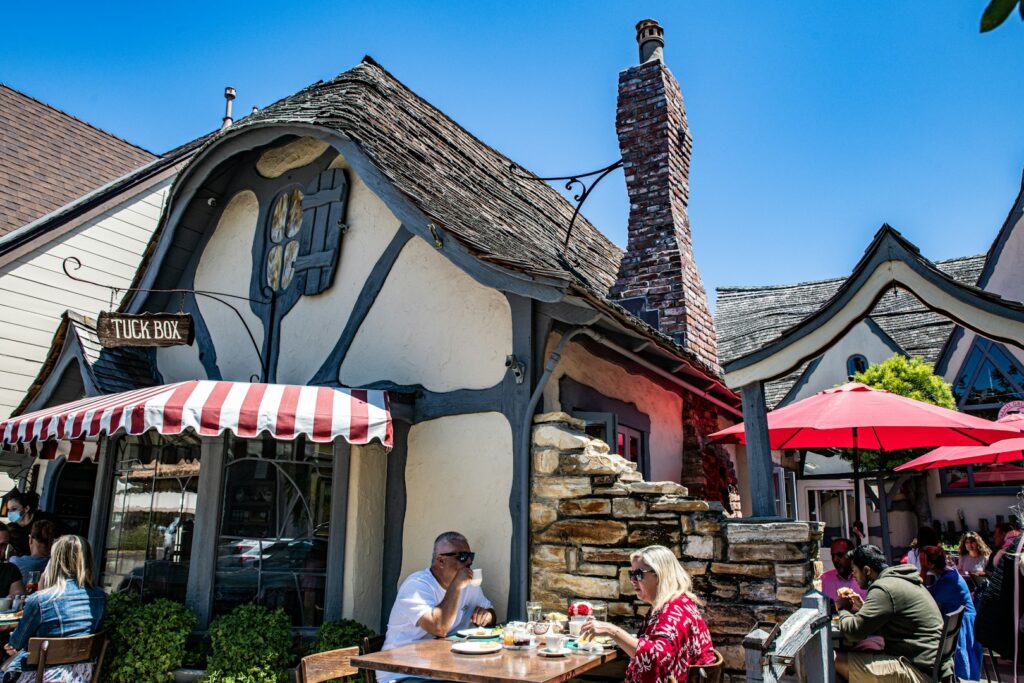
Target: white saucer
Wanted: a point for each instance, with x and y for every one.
(544, 652)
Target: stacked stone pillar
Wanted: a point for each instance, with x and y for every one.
(590, 509)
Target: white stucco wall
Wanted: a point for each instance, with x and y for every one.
(831, 370)
(663, 407)
(432, 325)
(225, 266)
(305, 344)
(364, 535)
(458, 477)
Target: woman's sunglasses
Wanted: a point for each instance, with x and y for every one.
(638, 574)
(462, 557)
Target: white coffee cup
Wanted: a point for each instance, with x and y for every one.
(554, 642)
(575, 624)
(478, 577)
(5, 604)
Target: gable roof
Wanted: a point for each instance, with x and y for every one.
(48, 158)
(749, 318)
(108, 371)
(458, 181)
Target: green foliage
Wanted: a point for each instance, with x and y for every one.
(140, 537)
(251, 644)
(910, 377)
(147, 641)
(997, 12)
(334, 635)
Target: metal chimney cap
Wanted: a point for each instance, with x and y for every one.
(229, 93)
(650, 36)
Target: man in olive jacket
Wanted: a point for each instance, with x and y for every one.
(899, 609)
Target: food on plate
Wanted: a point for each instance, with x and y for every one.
(845, 592)
(556, 616)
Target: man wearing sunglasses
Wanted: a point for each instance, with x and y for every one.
(437, 601)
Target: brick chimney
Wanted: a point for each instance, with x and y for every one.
(658, 278)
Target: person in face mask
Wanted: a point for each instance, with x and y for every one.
(899, 609)
(22, 510)
(951, 593)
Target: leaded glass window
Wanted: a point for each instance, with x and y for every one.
(272, 547)
(152, 515)
(285, 225)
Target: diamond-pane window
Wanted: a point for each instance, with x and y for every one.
(285, 225)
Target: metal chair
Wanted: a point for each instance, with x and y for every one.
(371, 644)
(947, 643)
(325, 666)
(48, 652)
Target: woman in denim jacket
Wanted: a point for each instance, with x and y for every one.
(69, 605)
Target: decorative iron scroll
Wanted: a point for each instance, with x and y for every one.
(582, 190)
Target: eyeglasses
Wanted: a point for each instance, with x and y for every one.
(638, 574)
(463, 556)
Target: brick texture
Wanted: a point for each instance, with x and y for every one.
(658, 278)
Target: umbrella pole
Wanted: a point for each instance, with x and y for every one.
(856, 484)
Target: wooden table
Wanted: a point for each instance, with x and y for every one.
(434, 659)
(8, 626)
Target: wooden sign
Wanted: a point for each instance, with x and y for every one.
(147, 329)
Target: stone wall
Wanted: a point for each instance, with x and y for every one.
(589, 509)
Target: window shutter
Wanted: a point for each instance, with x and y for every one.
(323, 216)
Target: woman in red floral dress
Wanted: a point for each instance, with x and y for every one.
(674, 636)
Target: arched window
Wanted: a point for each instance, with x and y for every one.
(856, 363)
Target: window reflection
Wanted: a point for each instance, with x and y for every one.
(272, 547)
(152, 515)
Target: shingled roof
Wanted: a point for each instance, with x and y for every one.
(111, 370)
(460, 182)
(49, 158)
(748, 318)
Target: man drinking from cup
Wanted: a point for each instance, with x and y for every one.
(438, 601)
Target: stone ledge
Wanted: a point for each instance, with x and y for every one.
(771, 532)
(657, 487)
(564, 418)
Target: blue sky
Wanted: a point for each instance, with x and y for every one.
(813, 122)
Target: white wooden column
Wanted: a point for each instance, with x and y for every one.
(338, 525)
(759, 452)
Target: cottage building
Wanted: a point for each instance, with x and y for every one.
(985, 375)
(353, 237)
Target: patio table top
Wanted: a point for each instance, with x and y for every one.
(434, 659)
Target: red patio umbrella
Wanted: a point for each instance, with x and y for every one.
(1007, 450)
(859, 417)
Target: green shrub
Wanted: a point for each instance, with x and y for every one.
(334, 635)
(147, 641)
(251, 644)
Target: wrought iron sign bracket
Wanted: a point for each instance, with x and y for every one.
(219, 297)
(574, 183)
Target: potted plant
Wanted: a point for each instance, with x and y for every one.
(251, 644)
(147, 640)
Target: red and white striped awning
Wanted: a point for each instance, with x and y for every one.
(208, 408)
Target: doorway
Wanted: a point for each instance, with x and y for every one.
(73, 495)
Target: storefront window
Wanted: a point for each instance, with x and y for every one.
(152, 515)
(272, 547)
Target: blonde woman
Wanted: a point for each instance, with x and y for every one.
(69, 605)
(673, 637)
(973, 555)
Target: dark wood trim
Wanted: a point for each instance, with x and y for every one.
(329, 371)
(394, 521)
(99, 515)
(759, 452)
(337, 530)
(432, 405)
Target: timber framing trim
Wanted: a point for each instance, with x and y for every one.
(890, 261)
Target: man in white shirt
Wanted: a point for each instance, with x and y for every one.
(437, 601)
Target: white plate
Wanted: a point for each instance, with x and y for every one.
(544, 652)
(479, 633)
(476, 648)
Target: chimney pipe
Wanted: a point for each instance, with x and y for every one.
(650, 36)
(229, 96)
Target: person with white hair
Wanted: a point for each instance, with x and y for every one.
(437, 601)
(673, 637)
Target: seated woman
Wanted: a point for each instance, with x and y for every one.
(40, 539)
(69, 605)
(951, 593)
(974, 556)
(10, 576)
(673, 637)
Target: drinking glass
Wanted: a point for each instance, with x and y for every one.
(534, 611)
(600, 611)
(32, 583)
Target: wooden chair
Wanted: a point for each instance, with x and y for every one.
(371, 644)
(47, 652)
(708, 673)
(950, 639)
(324, 666)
